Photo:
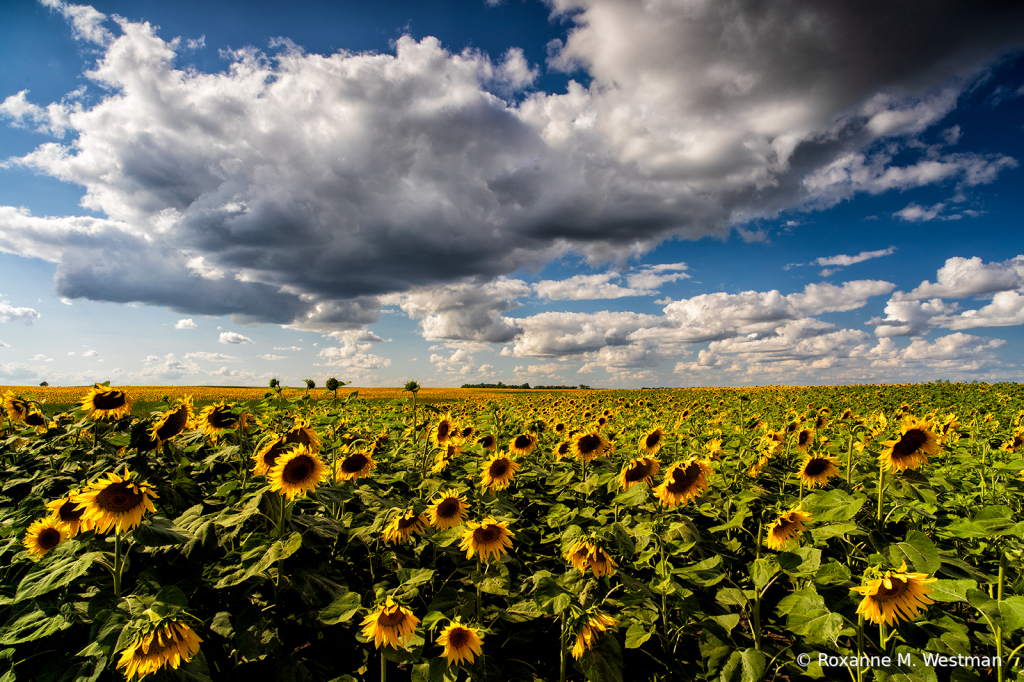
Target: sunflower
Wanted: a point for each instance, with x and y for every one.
(445, 455)
(402, 528)
(488, 443)
(391, 624)
(461, 643)
(102, 402)
(116, 502)
(560, 428)
(172, 422)
(43, 535)
(449, 511)
(593, 625)
(169, 644)
(523, 444)
(296, 472)
(216, 419)
(37, 421)
(66, 511)
(355, 465)
(589, 446)
(684, 482)
(466, 433)
(266, 457)
(714, 448)
(786, 528)
(586, 554)
(895, 597)
(17, 408)
(642, 470)
(912, 448)
(652, 441)
(804, 439)
(443, 431)
(303, 435)
(498, 472)
(487, 538)
(564, 449)
(817, 470)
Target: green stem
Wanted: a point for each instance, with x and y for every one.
(860, 647)
(881, 490)
(562, 651)
(479, 597)
(849, 468)
(999, 629)
(755, 612)
(118, 565)
(383, 667)
(883, 635)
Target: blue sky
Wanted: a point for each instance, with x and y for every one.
(607, 192)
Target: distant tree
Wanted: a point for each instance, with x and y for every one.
(44, 383)
(274, 383)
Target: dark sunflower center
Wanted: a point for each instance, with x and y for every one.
(805, 436)
(486, 441)
(69, 512)
(885, 594)
(222, 418)
(639, 471)
(109, 400)
(467, 432)
(354, 463)
(653, 439)
(499, 468)
(563, 448)
(522, 442)
(559, 428)
(458, 637)
(443, 430)
(407, 523)
(684, 480)
(485, 535)
(784, 526)
(911, 441)
(271, 455)
(118, 498)
(174, 423)
(34, 419)
(449, 508)
(391, 619)
(589, 444)
(48, 538)
(816, 467)
(298, 470)
(299, 435)
(791, 428)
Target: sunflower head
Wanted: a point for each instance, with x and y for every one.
(443, 431)
(590, 627)
(17, 408)
(445, 454)
(912, 448)
(301, 434)
(166, 644)
(816, 470)
(498, 472)
(642, 470)
(296, 472)
(586, 554)
(265, 458)
(403, 527)
(589, 446)
(66, 511)
(448, 511)
(43, 535)
(354, 465)
(786, 529)
(652, 441)
(804, 439)
(895, 596)
(461, 643)
(102, 402)
(390, 624)
(117, 502)
(487, 539)
(683, 482)
(172, 422)
(488, 442)
(221, 417)
(523, 444)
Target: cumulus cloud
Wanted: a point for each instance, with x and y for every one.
(963, 277)
(185, 324)
(271, 356)
(290, 348)
(642, 282)
(211, 357)
(843, 259)
(9, 313)
(468, 311)
(304, 189)
(234, 337)
(90, 354)
(354, 353)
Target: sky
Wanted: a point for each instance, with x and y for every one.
(615, 193)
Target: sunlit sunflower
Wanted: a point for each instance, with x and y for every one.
(442, 431)
(116, 502)
(217, 419)
(102, 402)
(391, 624)
(43, 535)
(37, 421)
(485, 539)
(354, 465)
(592, 625)
(461, 644)
(804, 439)
(402, 528)
(266, 457)
(445, 455)
(816, 470)
(560, 428)
(563, 449)
(714, 448)
(66, 511)
(497, 472)
(296, 472)
(585, 554)
(786, 529)
(449, 511)
(17, 408)
(166, 646)
(303, 435)
(523, 444)
(172, 422)
(1015, 443)
(896, 596)
(652, 441)
(488, 443)
(589, 446)
(466, 434)
(912, 449)
(642, 470)
(683, 482)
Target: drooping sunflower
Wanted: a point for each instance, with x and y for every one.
(117, 502)
(786, 529)
(683, 482)
(592, 625)
(585, 554)
(168, 645)
(642, 470)
(172, 422)
(912, 449)
(221, 417)
(652, 441)
(66, 511)
(37, 421)
(449, 511)
(402, 528)
(488, 443)
(589, 446)
(497, 472)
(296, 472)
(816, 470)
(303, 435)
(896, 596)
(354, 465)
(461, 644)
(17, 408)
(442, 431)
(804, 439)
(445, 455)
(485, 539)
(43, 535)
(102, 402)
(391, 624)
(523, 444)
(265, 458)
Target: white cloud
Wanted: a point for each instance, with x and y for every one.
(41, 357)
(843, 259)
(234, 337)
(289, 348)
(185, 324)
(915, 214)
(963, 277)
(211, 357)
(9, 313)
(642, 282)
(271, 356)
(354, 353)
(86, 21)
(469, 311)
(90, 354)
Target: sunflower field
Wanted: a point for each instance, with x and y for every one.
(772, 533)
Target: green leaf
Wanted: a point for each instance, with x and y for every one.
(341, 609)
(636, 635)
(54, 575)
(735, 522)
(951, 590)
(762, 570)
(414, 576)
(832, 573)
(634, 496)
(800, 562)
(603, 661)
(33, 622)
(808, 617)
(744, 666)
(278, 551)
(730, 596)
(919, 552)
(1007, 614)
